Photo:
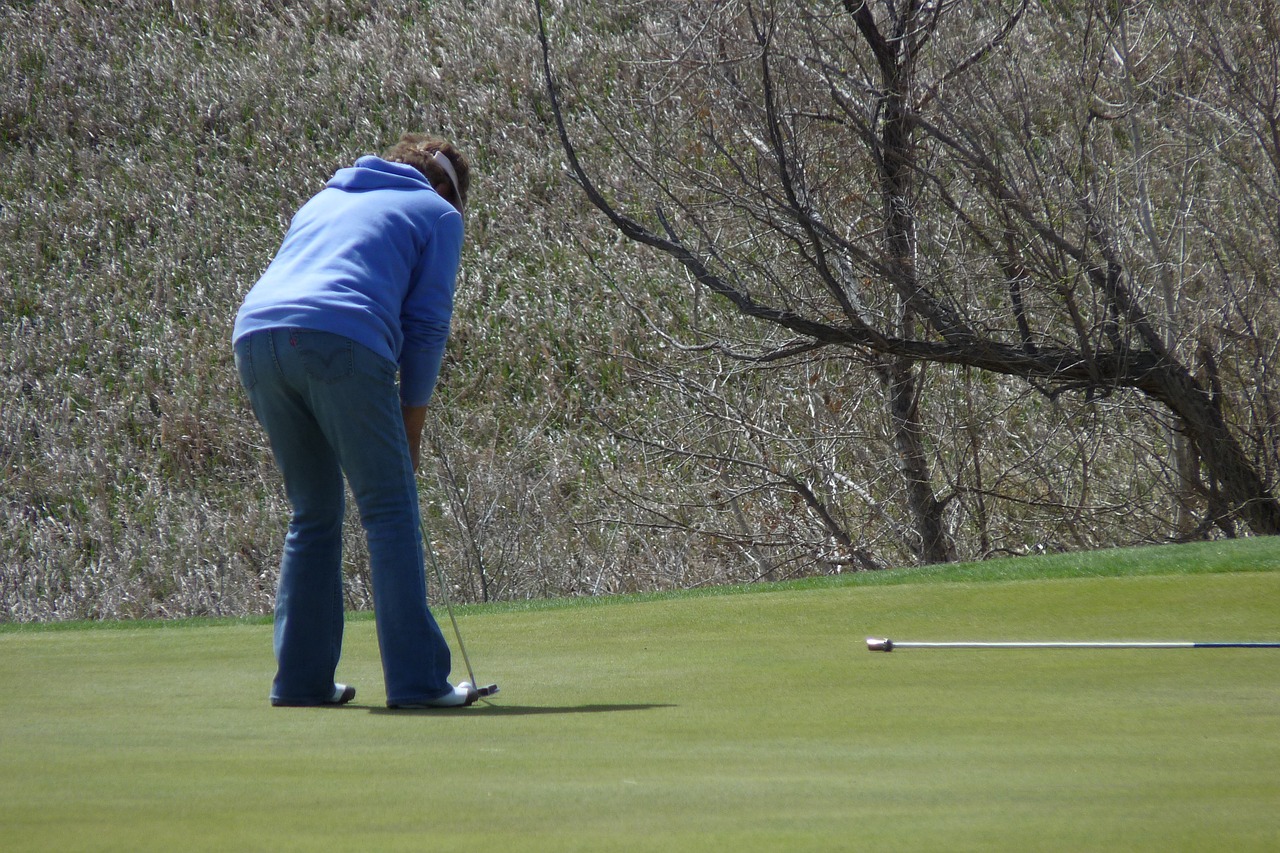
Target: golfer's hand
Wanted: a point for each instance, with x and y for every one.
(414, 418)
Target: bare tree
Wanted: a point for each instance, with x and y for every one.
(1020, 190)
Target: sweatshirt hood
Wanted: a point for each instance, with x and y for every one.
(374, 173)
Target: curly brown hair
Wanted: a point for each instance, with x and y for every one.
(419, 149)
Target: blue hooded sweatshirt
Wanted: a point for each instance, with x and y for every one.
(373, 257)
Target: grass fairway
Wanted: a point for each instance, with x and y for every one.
(715, 722)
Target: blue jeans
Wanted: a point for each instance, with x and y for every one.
(331, 406)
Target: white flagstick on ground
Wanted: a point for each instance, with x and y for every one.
(875, 644)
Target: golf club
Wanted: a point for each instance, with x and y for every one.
(875, 644)
(489, 689)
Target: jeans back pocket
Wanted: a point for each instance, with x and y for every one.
(326, 357)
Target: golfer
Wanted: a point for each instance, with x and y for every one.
(339, 345)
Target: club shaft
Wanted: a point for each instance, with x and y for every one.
(448, 600)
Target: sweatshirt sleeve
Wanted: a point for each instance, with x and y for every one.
(428, 310)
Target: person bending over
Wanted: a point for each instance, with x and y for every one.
(339, 346)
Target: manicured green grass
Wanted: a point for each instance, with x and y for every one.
(731, 722)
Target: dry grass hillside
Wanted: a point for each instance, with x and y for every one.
(151, 156)
(596, 429)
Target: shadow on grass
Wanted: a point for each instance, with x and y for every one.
(516, 710)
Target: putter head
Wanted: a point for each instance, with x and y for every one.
(875, 644)
(475, 694)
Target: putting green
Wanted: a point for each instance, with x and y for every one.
(734, 722)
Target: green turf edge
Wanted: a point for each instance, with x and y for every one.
(1251, 554)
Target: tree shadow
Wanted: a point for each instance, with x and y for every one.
(491, 710)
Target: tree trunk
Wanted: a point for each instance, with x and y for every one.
(899, 378)
(898, 373)
(1224, 458)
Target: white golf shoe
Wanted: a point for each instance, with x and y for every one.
(461, 696)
